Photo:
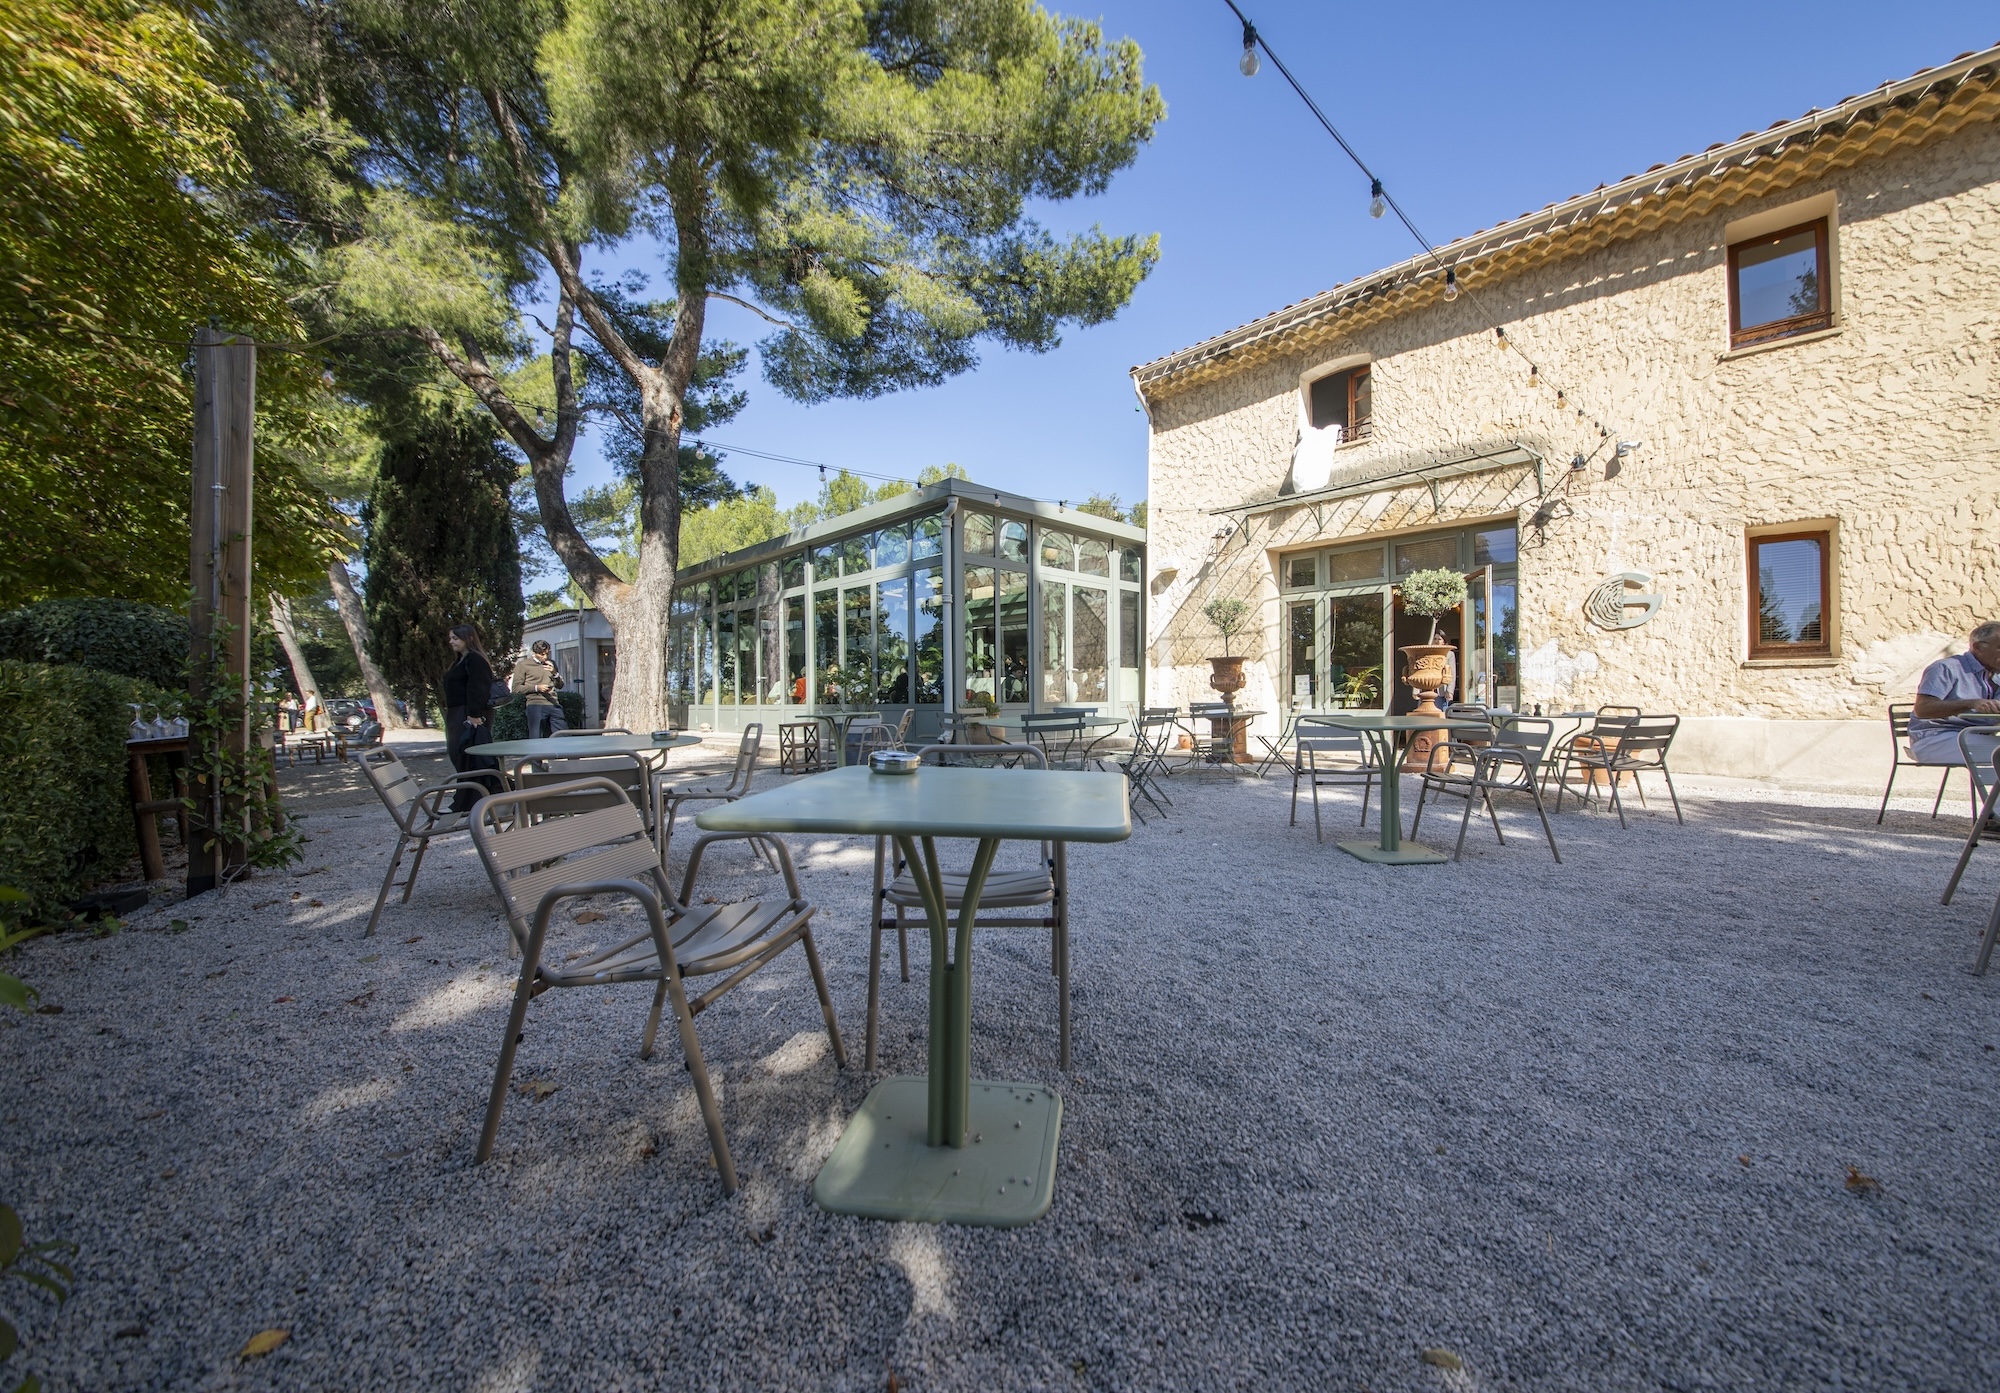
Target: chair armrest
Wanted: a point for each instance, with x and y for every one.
(701, 845)
(429, 802)
(638, 890)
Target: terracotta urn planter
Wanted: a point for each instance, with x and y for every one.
(1227, 676)
(1426, 668)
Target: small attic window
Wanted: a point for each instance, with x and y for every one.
(1341, 400)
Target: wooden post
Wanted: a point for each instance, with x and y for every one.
(219, 571)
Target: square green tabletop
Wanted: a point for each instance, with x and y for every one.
(580, 746)
(1053, 805)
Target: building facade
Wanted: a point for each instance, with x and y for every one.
(1721, 439)
(938, 600)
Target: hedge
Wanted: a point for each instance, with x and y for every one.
(66, 820)
(124, 637)
(510, 718)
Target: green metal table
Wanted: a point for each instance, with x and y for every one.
(945, 1148)
(1091, 730)
(1381, 732)
(579, 746)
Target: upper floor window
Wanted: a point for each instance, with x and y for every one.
(1779, 285)
(1341, 400)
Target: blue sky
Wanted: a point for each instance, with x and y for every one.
(1471, 114)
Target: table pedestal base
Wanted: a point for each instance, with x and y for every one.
(1003, 1177)
(1407, 854)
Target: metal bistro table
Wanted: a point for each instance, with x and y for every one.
(944, 1148)
(1381, 732)
(838, 724)
(1092, 730)
(520, 752)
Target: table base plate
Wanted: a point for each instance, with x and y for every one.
(1003, 1177)
(1408, 854)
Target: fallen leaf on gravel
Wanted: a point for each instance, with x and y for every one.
(149, 1116)
(263, 1342)
(589, 916)
(1744, 1160)
(1441, 1358)
(296, 894)
(130, 1332)
(179, 926)
(361, 1000)
(419, 938)
(217, 973)
(536, 1089)
(48, 1010)
(169, 1173)
(279, 1000)
(317, 904)
(1859, 1184)
(373, 958)
(710, 899)
(265, 904)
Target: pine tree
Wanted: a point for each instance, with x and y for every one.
(441, 549)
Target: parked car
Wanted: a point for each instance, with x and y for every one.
(348, 712)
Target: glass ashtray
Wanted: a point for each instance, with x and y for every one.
(894, 762)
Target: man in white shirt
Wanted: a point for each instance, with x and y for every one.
(1966, 684)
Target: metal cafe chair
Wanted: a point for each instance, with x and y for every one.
(1167, 752)
(420, 814)
(1038, 897)
(1277, 749)
(1978, 749)
(1057, 732)
(1325, 757)
(1603, 726)
(1217, 744)
(1509, 763)
(1631, 747)
(536, 864)
(668, 798)
(1147, 760)
(1906, 758)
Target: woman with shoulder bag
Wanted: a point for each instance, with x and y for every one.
(468, 716)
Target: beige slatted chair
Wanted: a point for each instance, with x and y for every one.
(629, 772)
(668, 798)
(1044, 887)
(420, 814)
(536, 864)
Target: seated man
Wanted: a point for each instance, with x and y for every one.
(1968, 684)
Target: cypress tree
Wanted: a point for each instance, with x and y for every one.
(441, 549)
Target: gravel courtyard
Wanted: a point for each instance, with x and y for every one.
(1501, 1124)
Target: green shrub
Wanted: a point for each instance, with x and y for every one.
(119, 636)
(66, 819)
(510, 719)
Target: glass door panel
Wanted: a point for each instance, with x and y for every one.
(1014, 637)
(928, 642)
(982, 645)
(1056, 677)
(1090, 641)
(795, 649)
(892, 644)
(1355, 649)
(1131, 641)
(1302, 654)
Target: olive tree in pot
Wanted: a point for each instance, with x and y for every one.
(1229, 617)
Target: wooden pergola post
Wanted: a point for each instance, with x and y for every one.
(219, 570)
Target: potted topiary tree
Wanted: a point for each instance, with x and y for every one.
(1226, 674)
(1428, 594)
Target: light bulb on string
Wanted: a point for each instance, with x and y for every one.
(1248, 64)
(1534, 376)
(1560, 402)
(1450, 284)
(1376, 205)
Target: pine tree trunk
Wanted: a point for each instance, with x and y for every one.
(288, 636)
(356, 623)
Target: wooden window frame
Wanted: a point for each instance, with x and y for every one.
(1760, 649)
(1350, 430)
(1818, 320)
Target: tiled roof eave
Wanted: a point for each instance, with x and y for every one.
(1930, 105)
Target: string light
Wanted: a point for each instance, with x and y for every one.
(1380, 201)
(1248, 64)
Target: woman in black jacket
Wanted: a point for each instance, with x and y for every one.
(468, 716)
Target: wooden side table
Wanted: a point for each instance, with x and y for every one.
(798, 747)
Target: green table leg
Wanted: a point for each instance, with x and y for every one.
(1391, 850)
(985, 1152)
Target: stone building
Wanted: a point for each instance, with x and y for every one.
(1717, 439)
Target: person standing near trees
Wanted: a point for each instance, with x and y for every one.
(536, 678)
(468, 715)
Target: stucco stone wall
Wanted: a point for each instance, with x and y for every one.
(1888, 427)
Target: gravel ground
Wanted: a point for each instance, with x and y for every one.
(1585, 1126)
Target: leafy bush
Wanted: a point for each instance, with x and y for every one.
(1427, 594)
(120, 636)
(510, 718)
(67, 818)
(1228, 616)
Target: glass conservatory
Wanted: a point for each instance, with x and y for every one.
(939, 600)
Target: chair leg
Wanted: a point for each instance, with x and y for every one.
(1295, 799)
(1938, 802)
(1492, 816)
(1616, 806)
(1673, 795)
(1971, 840)
(1543, 815)
(698, 1070)
(1423, 788)
(1986, 943)
(653, 1020)
(1315, 788)
(825, 998)
(1367, 787)
(416, 864)
(388, 880)
(1463, 823)
(516, 1019)
(1880, 813)
(874, 993)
